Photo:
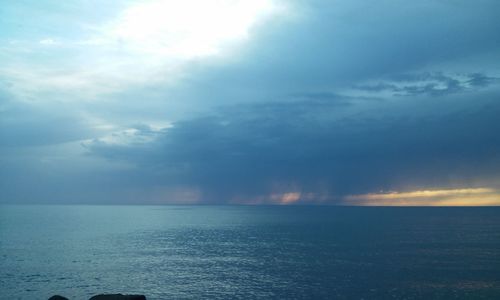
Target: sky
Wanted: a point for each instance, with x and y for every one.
(250, 102)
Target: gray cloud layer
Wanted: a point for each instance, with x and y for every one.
(254, 150)
(349, 98)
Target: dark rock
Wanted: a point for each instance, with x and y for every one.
(57, 297)
(118, 297)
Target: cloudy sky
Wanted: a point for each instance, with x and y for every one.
(250, 102)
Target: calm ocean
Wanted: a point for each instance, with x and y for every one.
(254, 252)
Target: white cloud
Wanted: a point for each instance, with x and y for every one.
(186, 29)
(129, 136)
(149, 42)
(49, 42)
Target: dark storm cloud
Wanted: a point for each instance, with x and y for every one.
(338, 44)
(267, 148)
(431, 84)
(275, 121)
(481, 80)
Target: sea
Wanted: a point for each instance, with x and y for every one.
(250, 252)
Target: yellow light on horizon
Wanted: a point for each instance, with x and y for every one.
(289, 198)
(443, 197)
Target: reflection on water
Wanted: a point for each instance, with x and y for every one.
(176, 252)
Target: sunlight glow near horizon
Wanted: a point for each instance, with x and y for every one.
(444, 197)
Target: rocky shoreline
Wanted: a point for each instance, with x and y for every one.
(106, 297)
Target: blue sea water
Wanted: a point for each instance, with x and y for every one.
(250, 252)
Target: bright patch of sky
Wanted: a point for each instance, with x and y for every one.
(142, 43)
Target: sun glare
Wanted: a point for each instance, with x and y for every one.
(188, 28)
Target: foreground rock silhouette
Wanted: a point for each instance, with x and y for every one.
(118, 297)
(106, 297)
